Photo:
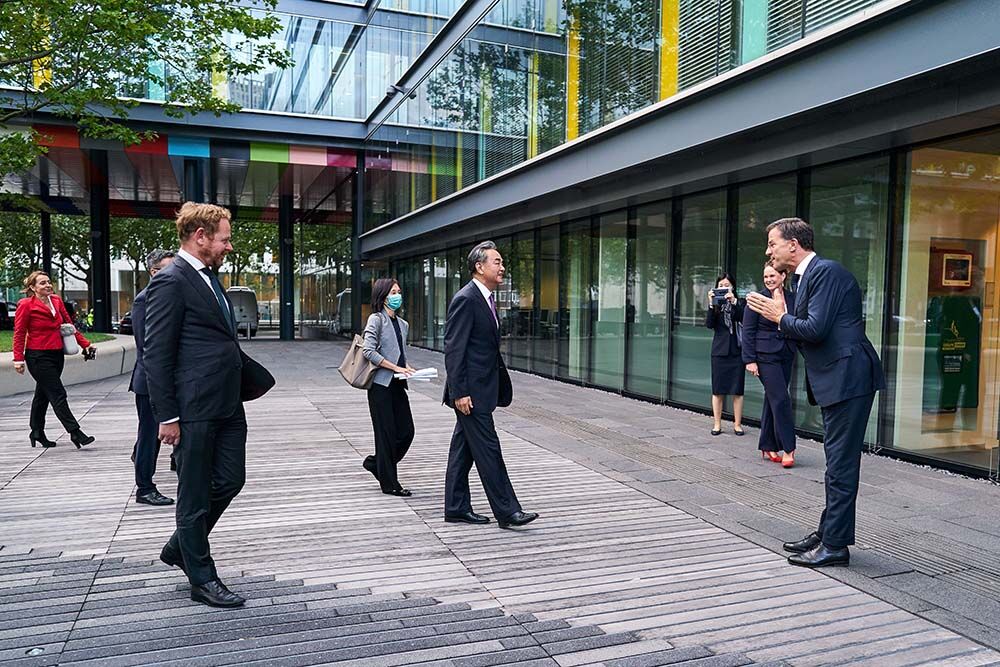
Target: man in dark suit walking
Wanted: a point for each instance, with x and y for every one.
(477, 384)
(193, 368)
(147, 444)
(843, 372)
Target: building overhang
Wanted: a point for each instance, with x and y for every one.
(900, 72)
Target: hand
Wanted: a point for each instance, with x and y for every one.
(730, 296)
(404, 371)
(752, 369)
(19, 368)
(770, 309)
(464, 405)
(170, 434)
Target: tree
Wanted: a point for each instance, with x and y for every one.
(86, 61)
(20, 249)
(71, 247)
(251, 241)
(133, 238)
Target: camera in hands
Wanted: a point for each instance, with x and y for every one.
(720, 295)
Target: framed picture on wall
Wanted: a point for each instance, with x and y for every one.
(956, 269)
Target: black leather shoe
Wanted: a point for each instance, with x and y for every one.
(517, 519)
(214, 594)
(172, 559)
(405, 493)
(466, 517)
(40, 439)
(80, 438)
(154, 498)
(822, 556)
(807, 543)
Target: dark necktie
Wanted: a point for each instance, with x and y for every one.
(795, 283)
(220, 296)
(493, 306)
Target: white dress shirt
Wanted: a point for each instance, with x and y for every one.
(487, 293)
(800, 270)
(197, 265)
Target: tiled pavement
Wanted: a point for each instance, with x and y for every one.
(657, 544)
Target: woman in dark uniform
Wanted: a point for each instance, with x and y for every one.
(769, 356)
(725, 312)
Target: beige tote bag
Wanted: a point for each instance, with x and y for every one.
(358, 371)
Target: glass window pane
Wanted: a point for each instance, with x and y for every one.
(546, 326)
(521, 269)
(759, 205)
(849, 205)
(650, 282)
(576, 289)
(441, 299)
(699, 262)
(946, 392)
(609, 325)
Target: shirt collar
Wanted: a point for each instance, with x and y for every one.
(800, 270)
(486, 291)
(195, 263)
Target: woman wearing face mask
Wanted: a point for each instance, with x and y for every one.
(725, 312)
(385, 346)
(769, 355)
(38, 344)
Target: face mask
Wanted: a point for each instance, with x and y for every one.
(394, 301)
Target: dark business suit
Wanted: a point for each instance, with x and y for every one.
(147, 442)
(774, 355)
(475, 368)
(193, 366)
(843, 372)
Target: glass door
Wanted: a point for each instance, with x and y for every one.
(947, 377)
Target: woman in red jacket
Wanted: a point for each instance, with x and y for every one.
(38, 343)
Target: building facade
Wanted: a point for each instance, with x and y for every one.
(622, 153)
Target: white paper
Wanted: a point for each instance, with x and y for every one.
(423, 375)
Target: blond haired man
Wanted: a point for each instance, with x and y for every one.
(193, 367)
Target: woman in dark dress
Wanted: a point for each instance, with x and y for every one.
(725, 312)
(769, 355)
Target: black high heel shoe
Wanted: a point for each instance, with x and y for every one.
(404, 493)
(41, 440)
(80, 438)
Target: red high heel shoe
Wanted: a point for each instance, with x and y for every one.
(788, 460)
(770, 456)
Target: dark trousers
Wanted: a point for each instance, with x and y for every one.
(393, 426)
(147, 446)
(211, 470)
(475, 441)
(777, 423)
(844, 424)
(46, 367)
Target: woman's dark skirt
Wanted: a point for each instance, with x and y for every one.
(728, 375)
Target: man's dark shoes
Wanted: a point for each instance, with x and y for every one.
(517, 519)
(172, 559)
(215, 594)
(466, 517)
(154, 498)
(807, 543)
(822, 556)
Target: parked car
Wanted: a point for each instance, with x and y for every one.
(244, 302)
(125, 324)
(7, 315)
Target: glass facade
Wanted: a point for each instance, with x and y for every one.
(538, 73)
(618, 300)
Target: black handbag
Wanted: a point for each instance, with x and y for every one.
(255, 380)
